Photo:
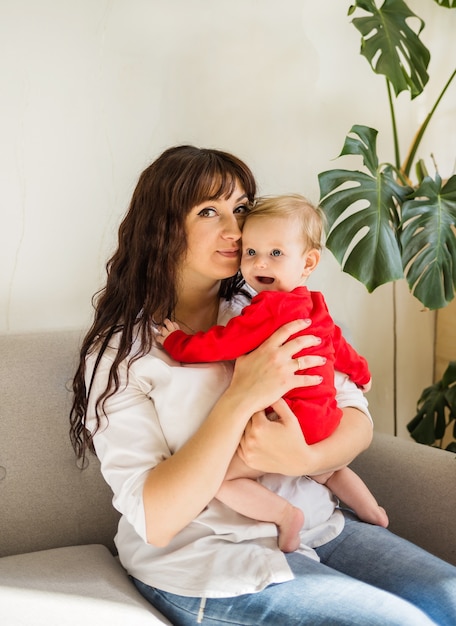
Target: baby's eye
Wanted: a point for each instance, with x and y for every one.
(207, 212)
(250, 252)
(276, 252)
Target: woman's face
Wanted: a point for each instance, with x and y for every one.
(214, 237)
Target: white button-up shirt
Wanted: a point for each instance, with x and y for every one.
(221, 553)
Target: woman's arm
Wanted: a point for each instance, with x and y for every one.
(279, 447)
(179, 488)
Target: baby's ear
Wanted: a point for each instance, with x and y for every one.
(312, 258)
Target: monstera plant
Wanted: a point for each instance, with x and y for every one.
(436, 411)
(384, 224)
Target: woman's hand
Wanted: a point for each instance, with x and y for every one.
(274, 446)
(279, 446)
(266, 374)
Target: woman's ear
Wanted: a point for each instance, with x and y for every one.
(311, 260)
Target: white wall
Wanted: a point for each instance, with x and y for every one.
(93, 90)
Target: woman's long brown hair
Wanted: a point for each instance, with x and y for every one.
(141, 275)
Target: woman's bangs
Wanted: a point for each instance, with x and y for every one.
(214, 186)
(222, 186)
(219, 178)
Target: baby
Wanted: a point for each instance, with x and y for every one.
(281, 244)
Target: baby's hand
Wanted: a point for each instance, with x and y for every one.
(165, 330)
(367, 387)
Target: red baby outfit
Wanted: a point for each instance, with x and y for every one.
(315, 406)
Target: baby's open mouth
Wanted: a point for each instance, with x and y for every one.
(266, 280)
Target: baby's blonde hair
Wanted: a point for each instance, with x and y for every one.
(310, 217)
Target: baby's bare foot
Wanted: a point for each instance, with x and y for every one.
(291, 524)
(376, 515)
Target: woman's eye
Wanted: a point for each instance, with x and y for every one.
(250, 252)
(276, 252)
(207, 212)
(243, 209)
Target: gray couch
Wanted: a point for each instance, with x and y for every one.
(57, 557)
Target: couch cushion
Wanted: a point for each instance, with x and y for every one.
(415, 483)
(46, 500)
(69, 587)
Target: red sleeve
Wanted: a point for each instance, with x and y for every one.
(347, 360)
(242, 334)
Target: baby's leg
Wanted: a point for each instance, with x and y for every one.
(238, 469)
(242, 493)
(353, 492)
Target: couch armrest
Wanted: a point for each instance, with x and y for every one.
(72, 586)
(417, 486)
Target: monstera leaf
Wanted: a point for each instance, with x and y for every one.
(362, 214)
(429, 242)
(391, 46)
(449, 4)
(436, 409)
(380, 230)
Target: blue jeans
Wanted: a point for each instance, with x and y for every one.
(367, 576)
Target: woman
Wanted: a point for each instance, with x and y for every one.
(165, 433)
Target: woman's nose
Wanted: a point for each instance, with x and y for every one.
(231, 229)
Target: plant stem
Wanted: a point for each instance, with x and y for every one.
(419, 135)
(395, 359)
(397, 156)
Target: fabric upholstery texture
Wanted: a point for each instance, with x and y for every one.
(69, 587)
(417, 485)
(46, 500)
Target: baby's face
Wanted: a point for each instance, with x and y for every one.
(273, 255)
